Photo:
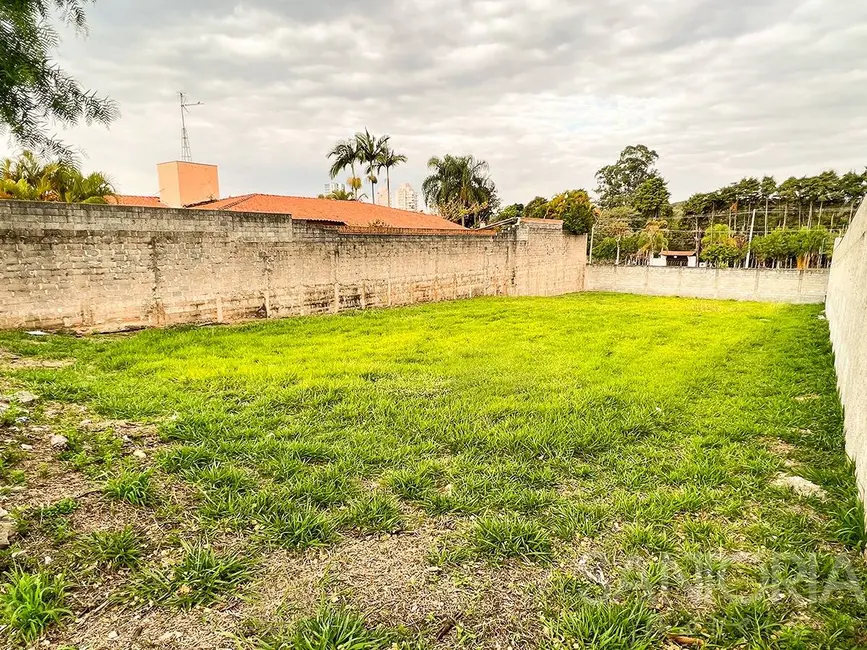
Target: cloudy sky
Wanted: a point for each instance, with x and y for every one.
(547, 91)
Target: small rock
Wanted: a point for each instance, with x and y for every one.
(47, 560)
(27, 447)
(59, 442)
(113, 635)
(37, 333)
(24, 397)
(138, 453)
(799, 485)
(7, 530)
(3, 513)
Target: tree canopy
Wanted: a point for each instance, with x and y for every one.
(460, 188)
(27, 178)
(35, 93)
(619, 182)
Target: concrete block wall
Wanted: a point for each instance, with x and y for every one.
(765, 285)
(846, 309)
(109, 267)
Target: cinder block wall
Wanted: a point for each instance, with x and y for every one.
(107, 267)
(846, 309)
(764, 285)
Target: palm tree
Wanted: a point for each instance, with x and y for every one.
(345, 154)
(459, 186)
(388, 159)
(26, 178)
(369, 149)
(653, 238)
(340, 195)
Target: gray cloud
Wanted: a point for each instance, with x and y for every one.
(546, 90)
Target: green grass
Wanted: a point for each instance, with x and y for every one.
(511, 537)
(600, 625)
(111, 549)
(645, 431)
(131, 486)
(333, 628)
(200, 577)
(31, 602)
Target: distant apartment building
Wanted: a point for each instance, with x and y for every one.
(407, 198)
(382, 196)
(334, 187)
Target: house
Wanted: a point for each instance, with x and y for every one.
(195, 186)
(675, 258)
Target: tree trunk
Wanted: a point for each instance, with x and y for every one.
(821, 209)
(388, 184)
(767, 201)
(810, 217)
(785, 215)
(617, 261)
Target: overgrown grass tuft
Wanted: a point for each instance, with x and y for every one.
(132, 487)
(30, 602)
(201, 577)
(601, 625)
(111, 549)
(376, 513)
(333, 628)
(511, 537)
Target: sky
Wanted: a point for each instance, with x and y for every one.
(546, 91)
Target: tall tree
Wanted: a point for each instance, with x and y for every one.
(652, 197)
(34, 91)
(574, 209)
(536, 208)
(388, 158)
(460, 187)
(619, 182)
(345, 154)
(768, 191)
(369, 149)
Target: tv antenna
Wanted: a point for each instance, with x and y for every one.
(186, 153)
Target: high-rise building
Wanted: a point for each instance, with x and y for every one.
(334, 187)
(382, 196)
(407, 198)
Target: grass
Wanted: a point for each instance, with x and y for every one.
(333, 627)
(111, 549)
(599, 625)
(31, 602)
(200, 577)
(131, 486)
(645, 431)
(511, 537)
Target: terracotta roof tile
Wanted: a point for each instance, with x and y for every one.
(344, 213)
(351, 213)
(135, 201)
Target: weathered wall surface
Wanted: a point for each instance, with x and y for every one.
(105, 267)
(846, 309)
(765, 285)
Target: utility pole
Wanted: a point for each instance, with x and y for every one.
(186, 153)
(592, 230)
(750, 242)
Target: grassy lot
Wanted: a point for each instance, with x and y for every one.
(608, 460)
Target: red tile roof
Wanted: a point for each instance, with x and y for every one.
(136, 201)
(351, 213)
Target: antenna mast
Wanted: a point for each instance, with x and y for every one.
(186, 153)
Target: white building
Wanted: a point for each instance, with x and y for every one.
(675, 258)
(382, 196)
(334, 187)
(407, 198)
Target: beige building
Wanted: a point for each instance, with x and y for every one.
(382, 196)
(407, 198)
